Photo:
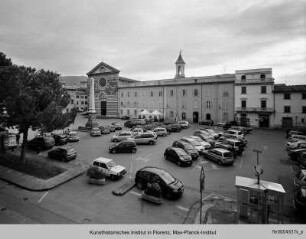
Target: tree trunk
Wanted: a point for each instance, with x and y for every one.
(23, 146)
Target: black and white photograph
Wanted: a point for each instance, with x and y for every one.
(153, 119)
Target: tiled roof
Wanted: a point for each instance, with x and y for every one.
(279, 88)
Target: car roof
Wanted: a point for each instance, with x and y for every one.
(221, 150)
(232, 140)
(102, 160)
(177, 149)
(153, 170)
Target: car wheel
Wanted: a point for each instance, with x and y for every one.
(140, 185)
(112, 177)
(116, 140)
(168, 195)
(219, 162)
(151, 142)
(179, 163)
(165, 157)
(134, 151)
(164, 135)
(114, 151)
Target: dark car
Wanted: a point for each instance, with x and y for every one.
(174, 127)
(134, 122)
(125, 117)
(295, 153)
(178, 156)
(206, 122)
(117, 125)
(41, 142)
(302, 160)
(63, 154)
(125, 146)
(60, 139)
(187, 147)
(170, 186)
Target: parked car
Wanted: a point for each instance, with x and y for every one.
(121, 136)
(73, 136)
(178, 156)
(160, 131)
(300, 200)
(41, 142)
(95, 132)
(237, 133)
(170, 186)
(296, 137)
(184, 124)
(236, 145)
(125, 117)
(220, 156)
(300, 179)
(302, 160)
(137, 130)
(174, 128)
(205, 144)
(211, 132)
(146, 138)
(104, 129)
(295, 153)
(294, 132)
(200, 148)
(117, 125)
(60, 139)
(125, 146)
(134, 122)
(295, 145)
(205, 137)
(245, 130)
(206, 122)
(63, 153)
(187, 147)
(112, 128)
(243, 141)
(109, 168)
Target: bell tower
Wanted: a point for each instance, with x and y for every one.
(180, 67)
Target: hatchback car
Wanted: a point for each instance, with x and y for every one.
(300, 200)
(220, 156)
(178, 156)
(211, 132)
(170, 186)
(160, 131)
(109, 168)
(205, 144)
(146, 138)
(237, 133)
(63, 153)
(104, 129)
(184, 124)
(95, 132)
(60, 139)
(122, 135)
(187, 147)
(112, 128)
(200, 148)
(117, 125)
(125, 146)
(41, 142)
(73, 136)
(137, 130)
(174, 128)
(205, 138)
(235, 144)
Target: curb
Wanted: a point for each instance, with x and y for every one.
(124, 188)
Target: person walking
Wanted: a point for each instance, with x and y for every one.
(17, 138)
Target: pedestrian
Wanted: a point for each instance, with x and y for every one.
(17, 138)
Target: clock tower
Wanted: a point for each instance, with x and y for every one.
(180, 67)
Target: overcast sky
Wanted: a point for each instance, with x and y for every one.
(143, 38)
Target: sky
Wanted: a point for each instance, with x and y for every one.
(142, 38)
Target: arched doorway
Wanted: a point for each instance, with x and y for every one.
(183, 116)
(195, 117)
(208, 117)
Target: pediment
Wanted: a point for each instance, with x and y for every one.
(103, 68)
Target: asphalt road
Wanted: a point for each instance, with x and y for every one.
(79, 202)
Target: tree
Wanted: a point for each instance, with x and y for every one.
(32, 99)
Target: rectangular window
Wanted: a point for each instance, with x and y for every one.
(152, 93)
(71, 101)
(128, 112)
(135, 112)
(304, 109)
(263, 104)
(243, 90)
(263, 89)
(243, 104)
(287, 96)
(121, 111)
(225, 93)
(135, 103)
(160, 93)
(85, 97)
(121, 104)
(135, 94)
(287, 109)
(208, 105)
(77, 96)
(195, 92)
(184, 92)
(171, 92)
(171, 114)
(303, 96)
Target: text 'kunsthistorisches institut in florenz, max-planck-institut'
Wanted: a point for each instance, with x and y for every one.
(248, 96)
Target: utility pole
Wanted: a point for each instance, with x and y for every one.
(202, 186)
(258, 170)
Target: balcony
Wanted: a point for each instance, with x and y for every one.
(254, 110)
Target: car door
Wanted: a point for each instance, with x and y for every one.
(104, 169)
(171, 153)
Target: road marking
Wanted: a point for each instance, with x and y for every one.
(182, 208)
(135, 193)
(39, 201)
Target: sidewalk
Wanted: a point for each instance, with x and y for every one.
(25, 181)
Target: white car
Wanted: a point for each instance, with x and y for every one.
(109, 168)
(95, 132)
(237, 133)
(197, 145)
(205, 144)
(211, 132)
(122, 136)
(73, 136)
(136, 131)
(160, 131)
(184, 124)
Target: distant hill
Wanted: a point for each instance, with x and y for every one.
(72, 80)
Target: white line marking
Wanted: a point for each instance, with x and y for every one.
(182, 208)
(135, 193)
(40, 200)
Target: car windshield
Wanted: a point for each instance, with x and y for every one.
(167, 177)
(227, 154)
(70, 151)
(180, 152)
(111, 164)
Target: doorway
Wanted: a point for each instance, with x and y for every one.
(195, 117)
(103, 108)
(264, 121)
